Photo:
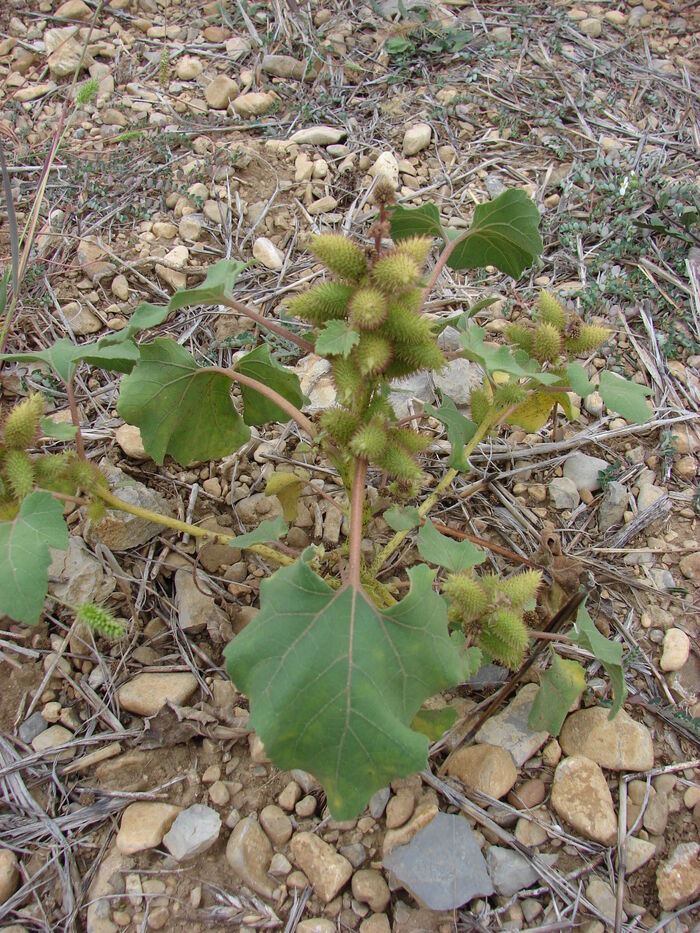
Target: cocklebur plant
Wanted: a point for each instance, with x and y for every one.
(335, 668)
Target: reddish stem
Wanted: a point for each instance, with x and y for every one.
(356, 503)
(268, 324)
(75, 418)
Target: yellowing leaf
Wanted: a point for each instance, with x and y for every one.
(287, 487)
(534, 412)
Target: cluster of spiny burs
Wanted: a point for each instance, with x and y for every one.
(555, 335)
(380, 300)
(21, 472)
(490, 611)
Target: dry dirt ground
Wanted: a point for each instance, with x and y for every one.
(592, 108)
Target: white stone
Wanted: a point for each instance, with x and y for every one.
(676, 650)
(563, 493)
(584, 470)
(194, 831)
(416, 138)
(128, 436)
(188, 68)
(318, 136)
(387, 165)
(267, 253)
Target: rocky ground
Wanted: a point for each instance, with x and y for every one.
(234, 130)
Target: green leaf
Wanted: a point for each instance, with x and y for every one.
(25, 557)
(395, 45)
(336, 339)
(220, 279)
(578, 380)
(501, 359)
(624, 397)
(561, 685)
(257, 408)
(446, 552)
(287, 487)
(268, 530)
(64, 355)
(504, 233)
(180, 408)
(609, 653)
(399, 519)
(60, 357)
(58, 430)
(144, 317)
(416, 221)
(460, 431)
(334, 682)
(434, 722)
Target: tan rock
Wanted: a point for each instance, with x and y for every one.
(143, 826)
(424, 813)
(9, 874)
(148, 693)
(25, 94)
(485, 768)
(220, 92)
(81, 320)
(249, 854)
(676, 650)
(253, 104)
(128, 436)
(327, 871)
(323, 206)
(416, 138)
(369, 887)
(637, 853)
(318, 136)
(276, 824)
(177, 257)
(581, 797)
(65, 51)
(621, 744)
(678, 878)
(50, 738)
(74, 9)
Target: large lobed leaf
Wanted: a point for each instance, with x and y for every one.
(504, 233)
(456, 556)
(257, 408)
(25, 557)
(334, 682)
(180, 409)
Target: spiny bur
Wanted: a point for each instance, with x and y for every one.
(521, 589)
(464, 591)
(19, 472)
(589, 338)
(340, 423)
(370, 440)
(343, 257)
(100, 620)
(520, 336)
(417, 247)
(399, 463)
(347, 378)
(504, 637)
(327, 301)
(546, 343)
(425, 354)
(367, 308)
(411, 441)
(21, 428)
(480, 402)
(551, 312)
(404, 324)
(396, 272)
(372, 354)
(509, 394)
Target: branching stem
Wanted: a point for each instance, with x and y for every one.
(267, 323)
(275, 397)
(442, 486)
(440, 265)
(185, 527)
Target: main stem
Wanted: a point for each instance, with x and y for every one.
(357, 499)
(185, 527)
